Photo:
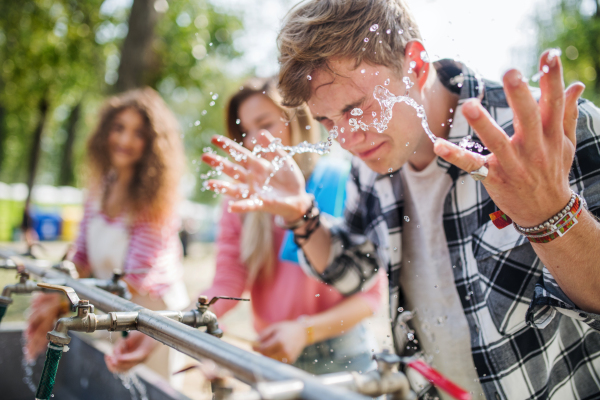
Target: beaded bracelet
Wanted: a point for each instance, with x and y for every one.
(554, 227)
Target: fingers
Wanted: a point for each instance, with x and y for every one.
(527, 120)
(492, 136)
(463, 159)
(246, 205)
(235, 190)
(233, 170)
(264, 139)
(239, 153)
(572, 94)
(552, 101)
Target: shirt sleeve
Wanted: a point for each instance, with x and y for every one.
(80, 258)
(549, 300)
(353, 259)
(231, 274)
(153, 261)
(374, 295)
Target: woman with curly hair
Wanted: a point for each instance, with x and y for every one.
(135, 159)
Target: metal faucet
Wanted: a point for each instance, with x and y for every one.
(25, 286)
(86, 321)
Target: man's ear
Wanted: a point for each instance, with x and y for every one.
(412, 53)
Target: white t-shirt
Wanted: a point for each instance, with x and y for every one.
(427, 280)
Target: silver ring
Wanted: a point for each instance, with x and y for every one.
(480, 173)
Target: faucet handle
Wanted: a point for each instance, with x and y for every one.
(68, 291)
(216, 298)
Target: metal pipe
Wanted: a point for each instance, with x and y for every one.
(246, 366)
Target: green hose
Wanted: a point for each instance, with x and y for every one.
(44, 391)
(3, 308)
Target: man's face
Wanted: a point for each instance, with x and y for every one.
(336, 95)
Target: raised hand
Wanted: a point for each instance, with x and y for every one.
(528, 174)
(257, 186)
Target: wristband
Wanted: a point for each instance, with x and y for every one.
(311, 213)
(555, 227)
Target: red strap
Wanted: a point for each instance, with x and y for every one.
(500, 219)
(440, 380)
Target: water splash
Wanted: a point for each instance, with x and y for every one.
(27, 367)
(387, 99)
(132, 383)
(545, 68)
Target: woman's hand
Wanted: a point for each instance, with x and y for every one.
(45, 309)
(528, 175)
(129, 352)
(257, 185)
(283, 341)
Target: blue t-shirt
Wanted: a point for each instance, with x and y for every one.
(328, 184)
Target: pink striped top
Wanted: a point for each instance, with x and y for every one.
(288, 295)
(153, 259)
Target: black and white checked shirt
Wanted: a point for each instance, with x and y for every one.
(528, 340)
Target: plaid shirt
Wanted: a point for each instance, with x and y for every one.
(528, 340)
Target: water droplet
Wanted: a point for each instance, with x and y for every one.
(356, 112)
(374, 27)
(212, 103)
(387, 82)
(545, 68)
(390, 169)
(406, 218)
(362, 71)
(407, 143)
(373, 114)
(238, 121)
(307, 127)
(388, 31)
(197, 123)
(400, 309)
(317, 295)
(309, 77)
(412, 64)
(424, 56)
(215, 96)
(366, 39)
(410, 336)
(435, 286)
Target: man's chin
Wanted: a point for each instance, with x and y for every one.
(382, 167)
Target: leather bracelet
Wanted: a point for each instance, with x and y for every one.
(312, 211)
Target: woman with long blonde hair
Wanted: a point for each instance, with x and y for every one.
(299, 319)
(135, 159)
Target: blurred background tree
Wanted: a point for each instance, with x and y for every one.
(574, 27)
(60, 58)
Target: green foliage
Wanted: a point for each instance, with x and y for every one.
(574, 27)
(69, 51)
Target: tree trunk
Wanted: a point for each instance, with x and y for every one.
(66, 176)
(35, 147)
(137, 45)
(3, 135)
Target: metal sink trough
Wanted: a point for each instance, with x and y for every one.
(82, 374)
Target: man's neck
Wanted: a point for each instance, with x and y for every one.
(439, 103)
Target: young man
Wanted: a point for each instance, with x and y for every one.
(499, 315)
(503, 317)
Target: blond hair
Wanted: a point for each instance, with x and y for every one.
(317, 30)
(153, 189)
(256, 244)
